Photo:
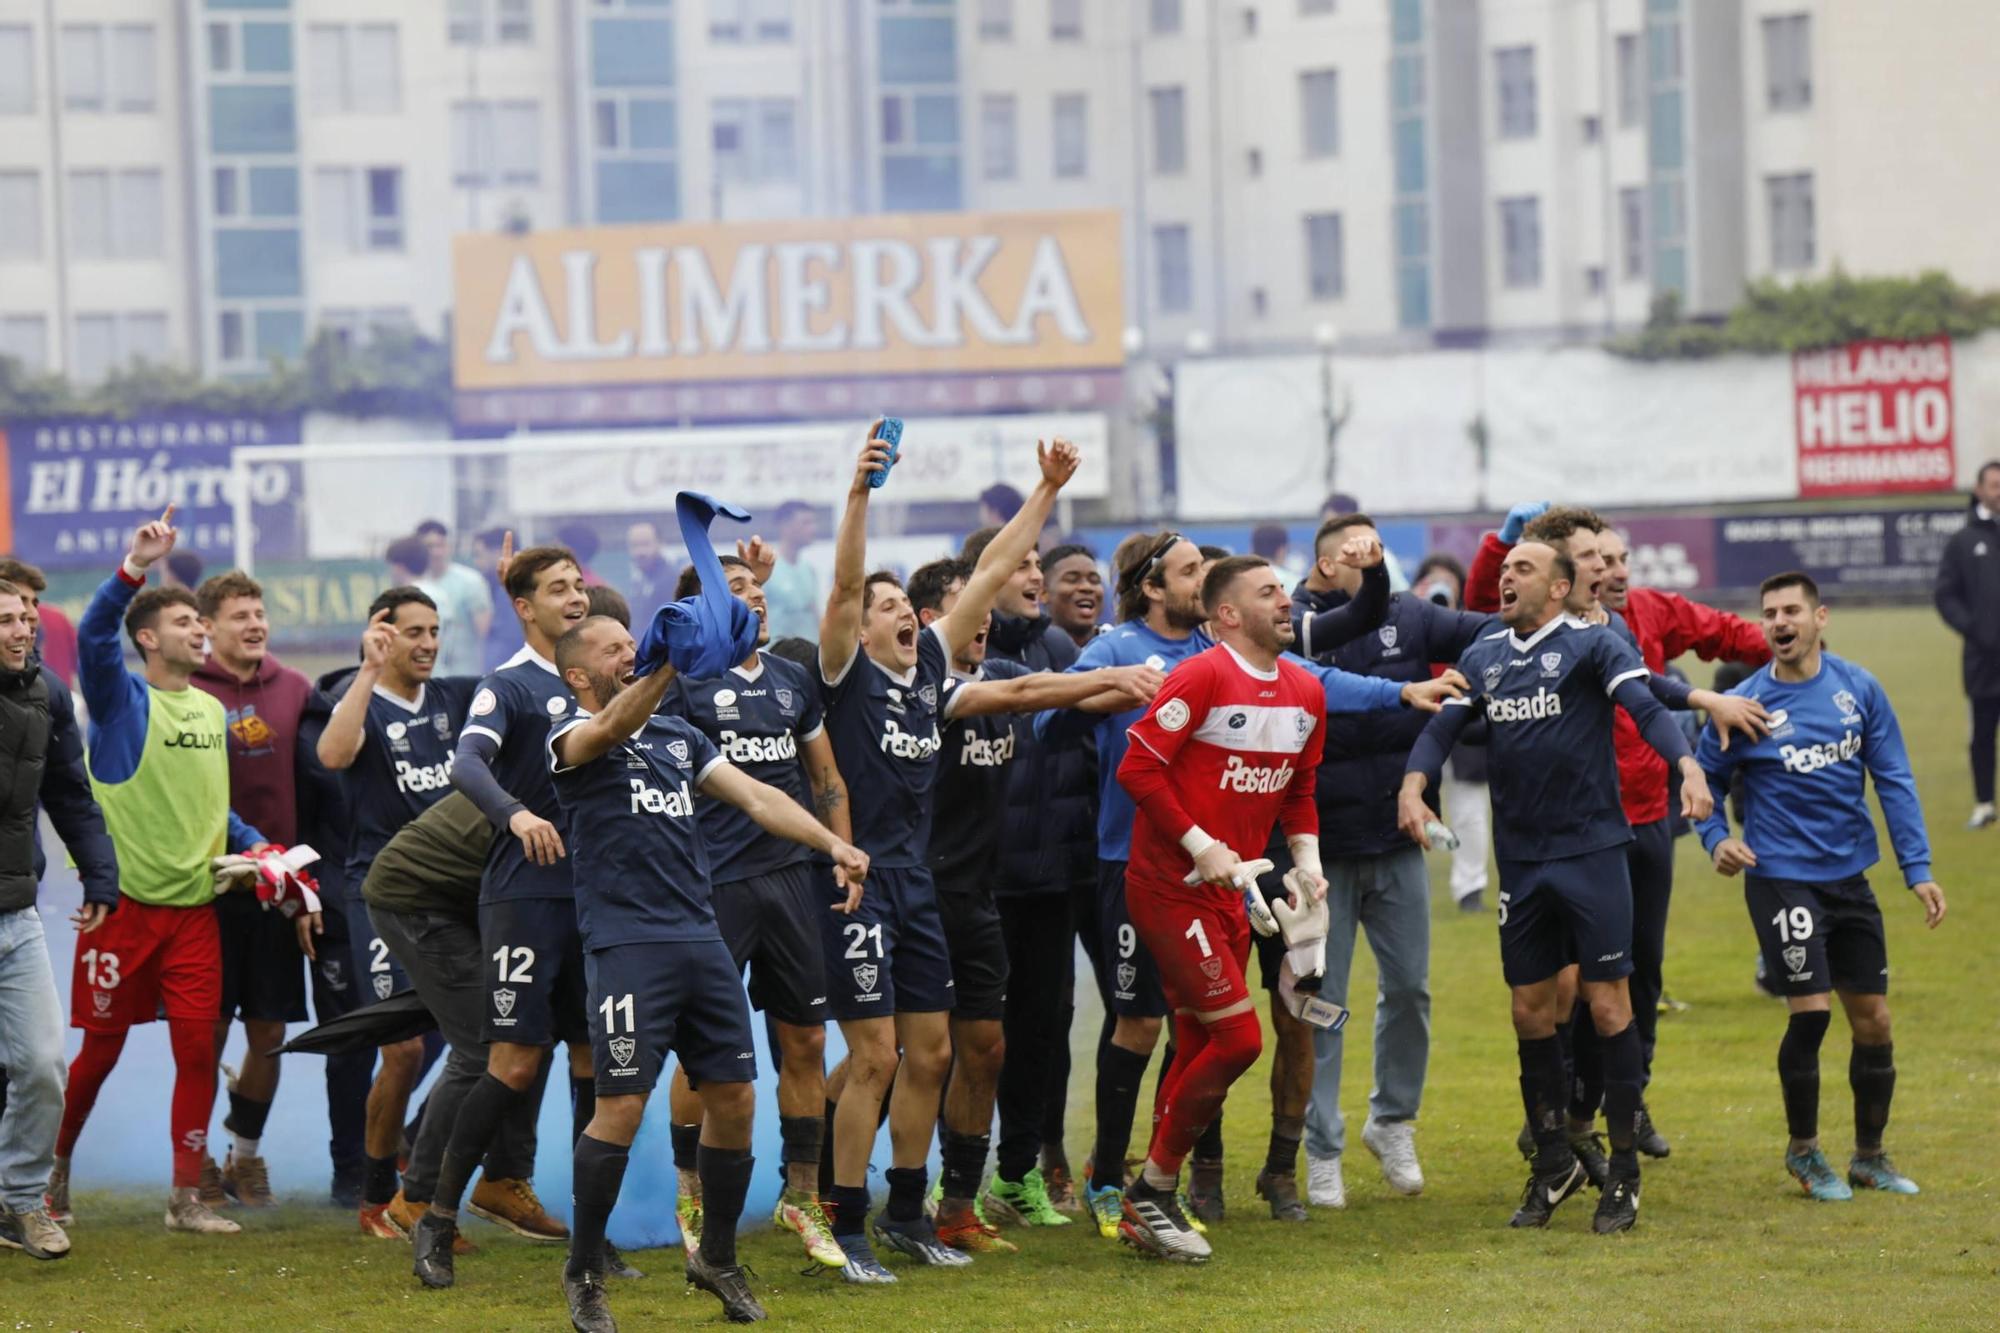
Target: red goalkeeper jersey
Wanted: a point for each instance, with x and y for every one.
(1229, 748)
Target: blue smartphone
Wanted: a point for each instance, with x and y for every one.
(891, 434)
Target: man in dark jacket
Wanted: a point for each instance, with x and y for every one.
(1376, 880)
(41, 763)
(263, 968)
(1968, 597)
(1048, 845)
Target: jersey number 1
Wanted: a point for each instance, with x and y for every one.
(1199, 934)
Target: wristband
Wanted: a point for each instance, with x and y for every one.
(1304, 848)
(1196, 840)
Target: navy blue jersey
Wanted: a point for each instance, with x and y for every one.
(404, 764)
(1804, 788)
(1553, 768)
(514, 708)
(758, 720)
(629, 822)
(969, 802)
(884, 730)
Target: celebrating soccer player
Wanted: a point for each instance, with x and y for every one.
(167, 808)
(1807, 844)
(1547, 686)
(661, 977)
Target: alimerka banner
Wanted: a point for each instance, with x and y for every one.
(1874, 418)
(812, 298)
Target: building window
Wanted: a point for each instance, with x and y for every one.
(115, 214)
(1632, 230)
(496, 143)
(1168, 108)
(20, 215)
(355, 327)
(25, 338)
(478, 22)
(1326, 277)
(82, 68)
(997, 153)
(1788, 62)
(1072, 135)
(355, 70)
(1319, 112)
(765, 22)
(1793, 243)
(918, 50)
(108, 342)
(17, 69)
(1514, 77)
(1066, 20)
(755, 140)
(996, 20)
(1164, 17)
(360, 209)
(133, 73)
(1631, 80)
(1173, 276)
(1521, 242)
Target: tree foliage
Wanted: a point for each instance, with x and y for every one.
(1775, 316)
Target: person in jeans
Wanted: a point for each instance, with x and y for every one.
(41, 756)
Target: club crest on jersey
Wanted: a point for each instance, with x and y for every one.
(929, 696)
(441, 723)
(1388, 636)
(1173, 715)
(1304, 723)
(679, 750)
(100, 1000)
(1492, 676)
(1850, 709)
(622, 1049)
(865, 975)
(1551, 663)
(784, 698)
(503, 1000)
(384, 983)
(1795, 957)
(1211, 968)
(1127, 974)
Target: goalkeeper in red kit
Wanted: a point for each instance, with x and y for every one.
(1230, 747)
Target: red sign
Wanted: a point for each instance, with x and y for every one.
(1874, 418)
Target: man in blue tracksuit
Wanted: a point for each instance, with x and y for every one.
(1807, 843)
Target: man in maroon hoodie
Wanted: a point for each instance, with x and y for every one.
(263, 972)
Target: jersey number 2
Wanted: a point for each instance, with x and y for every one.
(521, 957)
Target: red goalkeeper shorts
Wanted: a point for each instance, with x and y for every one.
(147, 962)
(1198, 936)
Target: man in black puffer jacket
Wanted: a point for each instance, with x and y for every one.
(41, 766)
(1048, 842)
(1968, 597)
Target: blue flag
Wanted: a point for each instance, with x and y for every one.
(704, 635)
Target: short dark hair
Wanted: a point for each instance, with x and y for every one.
(12, 590)
(1210, 551)
(793, 648)
(144, 613)
(1224, 573)
(23, 575)
(1561, 567)
(1554, 527)
(571, 642)
(430, 525)
(929, 583)
(1791, 578)
(1338, 524)
(1444, 560)
(1338, 503)
(689, 583)
(408, 553)
(1130, 561)
(185, 566)
(1003, 499)
(976, 544)
(887, 576)
(529, 565)
(1055, 555)
(213, 592)
(394, 599)
(1990, 465)
(1267, 539)
(608, 602)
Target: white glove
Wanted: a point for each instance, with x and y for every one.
(1245, 880)
(1306, 1006)
(1305, 930)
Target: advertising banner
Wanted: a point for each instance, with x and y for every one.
(79, 486)
(1874, 418)
(1874, 551)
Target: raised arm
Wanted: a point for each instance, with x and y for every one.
(340, 744)
(1323, 631)
(1106, 690)
(1657, 729)
(1009, 547)
(840, 626)
(578, 744)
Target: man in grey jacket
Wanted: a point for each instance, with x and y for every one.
(1968, 597)
(41, 764)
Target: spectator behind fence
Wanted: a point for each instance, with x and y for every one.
(464, 602)
(1968, 597)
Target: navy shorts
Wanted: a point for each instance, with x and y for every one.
(263, 972)
(680, 996)
(1575, 909)
(889, 956)
(377, 973)
(533, 964)
(770, 923)
(1130, 976)
(1816, 936)
(978, 948)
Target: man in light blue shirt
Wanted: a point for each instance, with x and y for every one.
(464, 603)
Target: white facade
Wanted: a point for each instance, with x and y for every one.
(1401, 171)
